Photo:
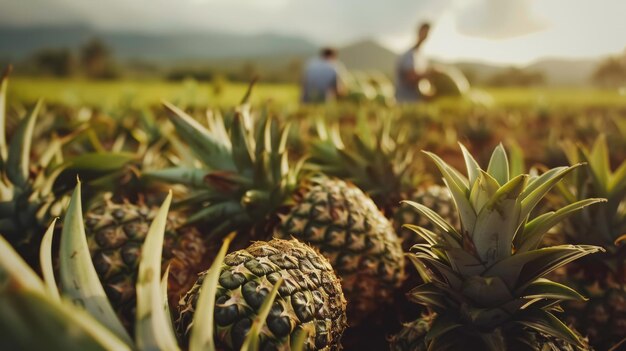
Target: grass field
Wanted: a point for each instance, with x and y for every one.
(107, 93)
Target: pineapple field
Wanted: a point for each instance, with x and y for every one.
(140, 216)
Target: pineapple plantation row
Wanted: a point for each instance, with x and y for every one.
(325, 228)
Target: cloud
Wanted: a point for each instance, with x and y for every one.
(499, 19)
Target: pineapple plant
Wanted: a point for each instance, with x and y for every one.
(27, 199)
(485, 283)
(384, 167)
(246, 185)
(76, 314)
(601, 277)
(309, 301)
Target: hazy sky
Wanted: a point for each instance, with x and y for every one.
(501, 31)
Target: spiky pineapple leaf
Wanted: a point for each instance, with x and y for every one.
(13, 269)
(546, 289)
(543, 185)
(79, 279)
(213, 152)
(166, 303)
(545, 322)
(521, 269)
(152, 328)
(252, 341)
(18, 158)
(4, 82)
(192, 177)
(534, 230)
(45, 260)
(298, 343)
(36, 320)
(433, 217)
(202, 330)
(458, 186)
(473, 169)
(498, 166)
(32, 321)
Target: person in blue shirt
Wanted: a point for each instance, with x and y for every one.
(411, 67)
(322, 80)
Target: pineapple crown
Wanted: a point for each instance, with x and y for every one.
(24, 194)
(606, 222)
(244, 174)
(491, 272)
(375, 161)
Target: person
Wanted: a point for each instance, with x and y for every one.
(322, 80)
(411, 67)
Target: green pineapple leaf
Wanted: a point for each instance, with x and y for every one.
(79, 280)
(18, 159)
(498, 166)
(545, 322)
(214, 152)
(545, 289)
(4, 82)
(202, 331)
(473, 169)
(32, 319)
(152, 328)
(534, 230)
(45, 260)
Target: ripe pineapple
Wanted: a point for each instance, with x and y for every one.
(115, 234)
(248, 186)
(601, 277)
(310, 299)
(486, 282)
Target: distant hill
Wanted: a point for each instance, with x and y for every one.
(368, 55)
(566, 72)
(17, 43)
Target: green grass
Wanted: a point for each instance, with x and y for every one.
(76, 92)
(140, 93)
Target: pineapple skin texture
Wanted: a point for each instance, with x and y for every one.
(345, 225)
(115, 234)
(309, 299)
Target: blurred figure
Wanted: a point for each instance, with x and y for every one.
(323, 78)
(411, 67)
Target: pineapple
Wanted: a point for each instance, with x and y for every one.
(485, 283)
(310, 299)
(115, 233)
(601, 277)
(76, 315)
(246, 185)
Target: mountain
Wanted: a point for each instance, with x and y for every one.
(368, 55)
(19, 42)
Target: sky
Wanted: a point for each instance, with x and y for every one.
(493, 31)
